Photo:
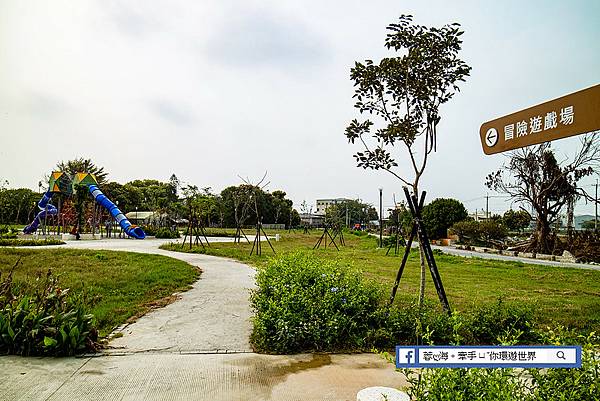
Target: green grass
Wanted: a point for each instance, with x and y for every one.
(559, 295)
(117, 285)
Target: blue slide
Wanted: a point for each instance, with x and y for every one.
(46, 208)
(130, 229)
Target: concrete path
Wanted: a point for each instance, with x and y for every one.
(472, 254)
(194, 349)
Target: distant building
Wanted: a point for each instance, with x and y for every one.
(312, 219)
(323, 204)
(142, 217)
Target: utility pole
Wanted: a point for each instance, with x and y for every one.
(380, 217)
(596, 214)
(487, 206)
(347, 217)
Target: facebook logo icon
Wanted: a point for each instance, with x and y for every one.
(406, 357)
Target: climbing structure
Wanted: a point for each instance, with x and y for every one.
(65, 184)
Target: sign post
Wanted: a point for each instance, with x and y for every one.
(574, 114)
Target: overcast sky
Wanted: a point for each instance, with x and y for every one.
(210, 90)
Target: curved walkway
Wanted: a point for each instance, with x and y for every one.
(196, 348)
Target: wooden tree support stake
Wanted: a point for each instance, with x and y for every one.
(418, 229)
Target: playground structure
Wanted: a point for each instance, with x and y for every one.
(67, 186)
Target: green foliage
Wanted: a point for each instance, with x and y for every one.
(569, 384)
(236, 206)
(18, 205)
(167, 233)
(581, 384)
(490, 322)
(516, 220)
(118, 285)
(463, 385)
(488, 233)
(401, 95)
(441, 214)
(43, 320)
(391, 241)
(589, 225)
(304, 303)
(7, 232)
(30, 242)
(358, 212)
(561, 294)
(82, 165)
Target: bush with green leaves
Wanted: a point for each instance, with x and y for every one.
(41, 318)
(532, 384)
(303, 303)
(167, 233)
(441, 214)
(30, 242)
(487, 233)
(391, 241)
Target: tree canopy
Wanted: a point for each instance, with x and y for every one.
(402, 96)
(533, 176)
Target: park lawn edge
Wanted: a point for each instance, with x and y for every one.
(118, 310)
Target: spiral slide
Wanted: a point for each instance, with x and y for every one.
(46, 208)
(130, 229)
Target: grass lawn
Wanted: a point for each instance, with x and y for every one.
(117, 285)
(559, 295)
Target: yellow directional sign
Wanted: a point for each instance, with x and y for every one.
(574, 114)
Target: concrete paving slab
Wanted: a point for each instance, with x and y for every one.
(216, 377)
(24, 379)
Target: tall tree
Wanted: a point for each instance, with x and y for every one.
(82, 165)
(534, 177)
(404, 94)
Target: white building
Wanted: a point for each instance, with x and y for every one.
(323, 204)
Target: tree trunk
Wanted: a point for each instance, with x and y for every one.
(542, 235)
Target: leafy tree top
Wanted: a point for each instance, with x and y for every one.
(405, 93)
(82, 165)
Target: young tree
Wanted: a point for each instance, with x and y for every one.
(404, 94)
(534, 177)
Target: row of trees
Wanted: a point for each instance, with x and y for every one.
(232, 206)
(442, 214)
(350, 212)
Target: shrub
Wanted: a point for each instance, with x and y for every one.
(43, 319)
(569, 384)
(467, 231)
(509, 384)
(391, 241)
(8, 233)
(167, 233)
(441, 214)
(150, 230)
(490, 322)
(30, 242)
(480, 232)
(304, 303)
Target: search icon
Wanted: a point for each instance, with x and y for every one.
(561, 355)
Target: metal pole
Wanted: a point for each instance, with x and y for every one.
(380, 218)
(487, 204)
(596, 214)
